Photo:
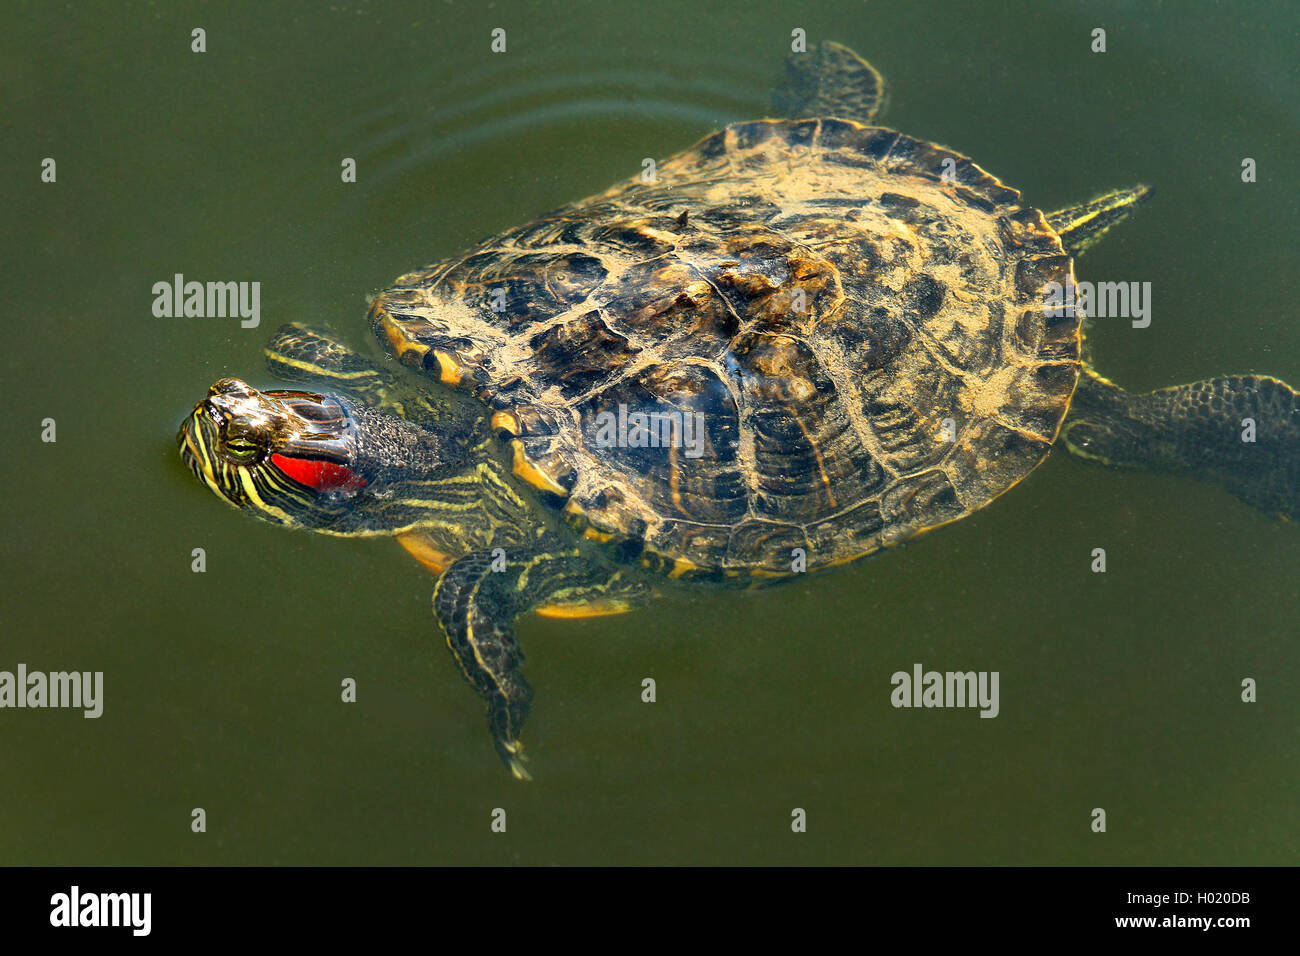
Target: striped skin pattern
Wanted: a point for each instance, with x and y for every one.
(476, 602)
(232, 413)
(408, 478)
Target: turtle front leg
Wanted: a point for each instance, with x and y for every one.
(476, 602)
(298, 353)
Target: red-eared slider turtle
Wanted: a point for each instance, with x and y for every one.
(811, 338)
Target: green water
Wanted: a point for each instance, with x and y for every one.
(1118, 690)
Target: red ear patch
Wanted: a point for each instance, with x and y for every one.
(321, 475)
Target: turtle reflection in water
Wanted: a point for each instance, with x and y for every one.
(858, 320)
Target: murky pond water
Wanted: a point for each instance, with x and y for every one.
(221, 690)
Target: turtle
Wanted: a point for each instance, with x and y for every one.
(802, 341)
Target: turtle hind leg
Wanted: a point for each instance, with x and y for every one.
(476, 602)
(1082, 225)
(829, 80)
(1241, 432)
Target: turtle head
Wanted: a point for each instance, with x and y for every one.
(289, 457)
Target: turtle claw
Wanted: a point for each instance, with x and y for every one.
(512, 753)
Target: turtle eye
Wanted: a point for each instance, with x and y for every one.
(241, 449)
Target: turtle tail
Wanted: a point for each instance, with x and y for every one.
(828, 79)
(1240, 431)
